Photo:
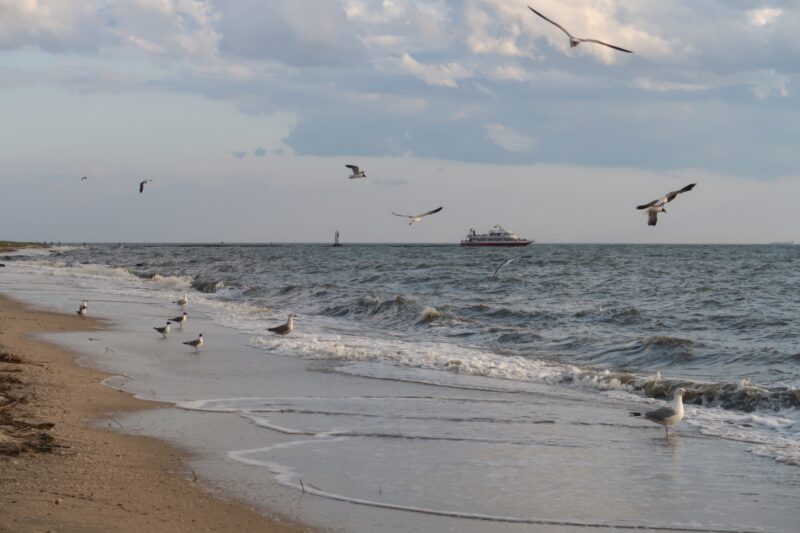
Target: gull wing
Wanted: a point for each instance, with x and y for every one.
(354, 168)
(431, 212)
(671, 196)
(652, 218)
(606, 44)
(399, 215)
(141, 186)
(554, 23)
(660, 414)
(504, 263)
(645, 206)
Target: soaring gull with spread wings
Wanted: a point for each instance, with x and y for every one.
(657, 206)
(417, 218)
(575, 41)
(357, 172)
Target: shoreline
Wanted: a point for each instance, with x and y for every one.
(83, 476)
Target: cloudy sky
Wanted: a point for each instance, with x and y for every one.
(244, 113)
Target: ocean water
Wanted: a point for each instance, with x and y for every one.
(595, 329)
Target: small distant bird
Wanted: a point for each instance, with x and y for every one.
(417, 218)
(196, 344)
(179, 319)
(504, 263)
(357, 173)
(84, 178)
(84, 304)
(182, 301)
(285, 329)
(164, 331)
(141, 185)
(575, 41)
(81, 311)
(667, 416)
(657, 206)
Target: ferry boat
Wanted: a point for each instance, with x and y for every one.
(497, 236)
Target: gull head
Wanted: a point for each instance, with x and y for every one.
(680, 391)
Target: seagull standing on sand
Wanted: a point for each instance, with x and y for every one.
(141, 185)
(196, 344)
(182, 301)
(357, 173)
(82, 311)
(84, 304)
(417, 218)
(575, 41)
(285, 329)
(657, 206)
(164, 331)
(180, 319)
(504, 263)
(667, 416)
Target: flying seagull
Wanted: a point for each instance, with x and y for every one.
(575, 41)
(417, 218)
(164, 331)
(180, 319)
(197, 343)
(504, 263)
(84, 178)
(182, 301)
(285, 329)
(657, 206)
(667, 416)
(141, 185)
(357, 173)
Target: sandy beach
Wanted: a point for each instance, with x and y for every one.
(64, 471)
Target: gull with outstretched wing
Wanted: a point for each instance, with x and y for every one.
(575, 41)
(417, 218)
(657, 206)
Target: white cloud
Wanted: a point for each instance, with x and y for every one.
(763, 16)
(662, 86)
(445, 74)
(767, 83)
(510, 139)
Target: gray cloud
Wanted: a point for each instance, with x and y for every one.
(260, 152)
(477, 81)
(307, 33)
(238, 154)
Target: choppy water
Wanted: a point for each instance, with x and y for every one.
(719, 320)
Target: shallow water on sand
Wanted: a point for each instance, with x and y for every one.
(449, 417)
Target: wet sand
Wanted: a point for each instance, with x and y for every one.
(65, 465)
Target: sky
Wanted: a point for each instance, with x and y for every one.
(244, 113)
